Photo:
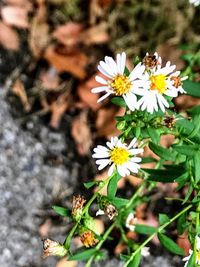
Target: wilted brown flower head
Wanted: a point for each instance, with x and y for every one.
(53, 248)
(77, 206)
(150, 61)
(88, 239)
(111, 211)
(177, 81)
(169, 121)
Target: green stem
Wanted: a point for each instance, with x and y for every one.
(162, 227)
(85, 209)
(197, 230)
(106, 234)
(128, 205)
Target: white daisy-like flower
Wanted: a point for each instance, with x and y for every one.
(186, 259)
(117, 82)
(131, 220)
(145, 251)
(178, 81)
(195, 2)
(161, 82)
(119, 156)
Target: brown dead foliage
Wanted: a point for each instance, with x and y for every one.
(9, 38)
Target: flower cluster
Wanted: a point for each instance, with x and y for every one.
(147, 85)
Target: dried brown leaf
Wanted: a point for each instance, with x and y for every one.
(95, 35)
(58, 109)
(45, 228)
(19, 90)
(73, 63)
(64, 263)
(50, 79)
(68, 34)
(21, 3)
(82, 134)
(15, 16)
(9, 38)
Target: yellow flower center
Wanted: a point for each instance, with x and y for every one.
(158, 82)
(119, 155)
(121, 84)
(198, 257)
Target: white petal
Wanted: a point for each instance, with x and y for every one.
(107, 68)
(102, 163)
(101, 80)
(136, 159)
(104, 72)
(122, 62)
(103, 97)
(121, 170)
(137, 72)
(135, 151)
(99, 89)
(132, 143)
(111, 169)
(131, 101)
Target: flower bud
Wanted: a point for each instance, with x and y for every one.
(53, 248)
(77, 206)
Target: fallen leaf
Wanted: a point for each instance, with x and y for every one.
(65, 263)
(19, 90)
(99, 226)
(50, 79)
(9, 38)
(68, 34)
(21, 3)
(133, 180)
(184, 243)
(81, 133)
(95, 35)
(106, 122)
(57, 109)
(184, 102)
(15, 16)
(73, 63)
(87, 97)
(45, 228)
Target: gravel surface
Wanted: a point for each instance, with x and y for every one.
(26, 184)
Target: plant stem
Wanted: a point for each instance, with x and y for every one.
(162, 227)
(106, 234)
(85, 209)
(128, 205)
(197, 230)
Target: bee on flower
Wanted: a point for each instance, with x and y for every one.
(186, 259)
(162, 82)
(119, 156)
(117, 82)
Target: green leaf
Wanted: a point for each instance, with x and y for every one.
(62, 211)
(136, 260)
(148, 160)
(126, 71)
(182, 223)
(189, 192)
(164, 176)
(119, 101)
(164, 153)
(124, 257)
(118, 202)
(192, 88)
(145, 229)
(196, 160)
(153, 133)
(90, 184)
(170, 245)
(194, 111)
(191, 262)
(163, 218)
(188, 150)
(83, 255)
(112, 185)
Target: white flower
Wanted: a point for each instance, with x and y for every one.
(118, 83)
(195, 2)
(161, 81)
(119, 156)
(145, 251)
(131, 221)
(100, 212)
(178, 81)
(186, 259)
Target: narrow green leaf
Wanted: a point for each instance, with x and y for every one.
(83, 255)
(62, 211)
(196, 160)
(118, 202)
(124, 257)
(164, 176)
(192, 88)
(165, 153)
(90, 184)
(119, 101)
(182, 223)
(191, 262)
(136, 260)
(189, 192)
(188, 150)
(112, 186)
(153, 133)
(194, 111)
(163, 218)
(145, 229)
(170, 245)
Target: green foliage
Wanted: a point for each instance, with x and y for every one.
(169, 244)
(62, 211)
